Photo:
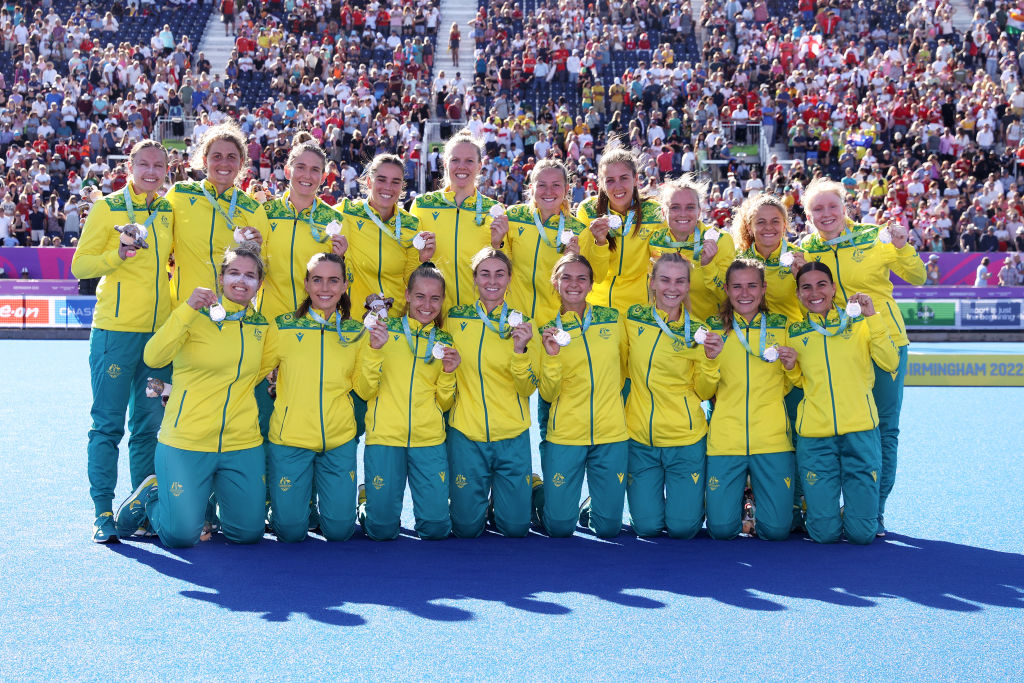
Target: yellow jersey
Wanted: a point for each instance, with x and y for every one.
(493, 383)
(750, 413)
(315, 373)
(583, 383)
(460, 232)
(379, 263)
(133, 294)
(663, 408)
(860, 263)
(212, 406)
(629, 263)
(836, 372)
(405, 388)
(534, 257)
(202, 233)
(287, 248)
(707, 283)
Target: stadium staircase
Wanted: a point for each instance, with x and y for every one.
(963, 13)
(216, 46)
(460, 12)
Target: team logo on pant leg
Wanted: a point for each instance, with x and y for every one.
(176, 488)
(874, 474)
(460, 480)
(378, 482)
(442, 475)
(787, 480)
(621, 476)
(558, 479)
(712, 481)
(114, 371)
(284, 484)
(812, 478)
(352, 475)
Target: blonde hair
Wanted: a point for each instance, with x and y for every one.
(822, 185)
(542, 166)
(667, 258)
(143, 145)
(225, 130)
(687, 181)
(743, 221)
(304, 142)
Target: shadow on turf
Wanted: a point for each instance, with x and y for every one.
(320, 579)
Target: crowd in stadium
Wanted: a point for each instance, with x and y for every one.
(920, 121)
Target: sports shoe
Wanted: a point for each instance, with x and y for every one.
(535, 481)
(537, 500)
(880, 531)
(361, 495)
(103, 529)
(585, 513)
(749, 510)
(132, 513)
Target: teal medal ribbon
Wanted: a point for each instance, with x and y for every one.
(319, 233)
(479, 220)
(503, 329)
(743, 338)
(397, 234)
(428, 357)
(229, 217)
(337, 325)
(698, 243)
(131, 209)
(558, 245)
(687, 339)
(588, 318)
(844, 321)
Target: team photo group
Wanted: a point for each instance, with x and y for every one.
(720, 381)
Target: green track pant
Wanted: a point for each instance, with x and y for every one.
(847, 464)
(605, 466)
(385, 471)
(499, 470)
(772, 478)
(299, 478)
(185, 480)
(665, 489)
(118, 385)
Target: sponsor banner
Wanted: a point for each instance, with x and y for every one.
(991, 314)
(26, 311)
(928, 313)
(944, 292)
(74, 311)
(930, 369)
(47, 311)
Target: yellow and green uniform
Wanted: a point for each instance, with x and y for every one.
(407, 392)
(666, 425)
(707, 283)
(460, 232)
(488, 432)
(839, 448)
(781, 280)
(293, 239)
(202, 233)
(533, 259)
(312, 436)
(132, 301)
(210, 440)
(379, 263)
(625, 283)
(750, 430)
(860, 263)
(586, 424)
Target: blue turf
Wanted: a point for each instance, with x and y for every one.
(940, 598)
